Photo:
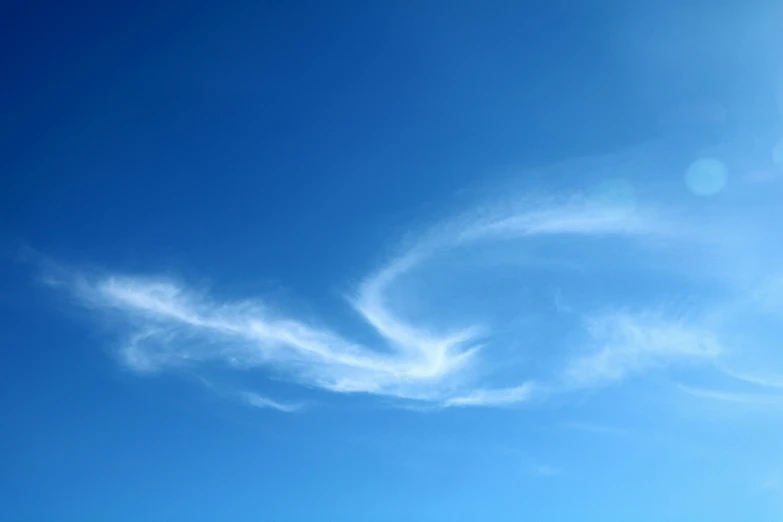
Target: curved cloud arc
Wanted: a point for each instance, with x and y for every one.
(175, 326)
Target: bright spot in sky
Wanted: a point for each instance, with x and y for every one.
(706, 176)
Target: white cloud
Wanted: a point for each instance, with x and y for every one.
(496, 397)
(751, 399)
(175, 326)
(766, 380)
(631, 343)
(258, 401)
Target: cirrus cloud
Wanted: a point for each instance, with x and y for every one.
(424, 358)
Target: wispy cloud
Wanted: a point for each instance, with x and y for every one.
(259, 401)
(631, 343)
(750, 399)
(764, 380)
(176, 326)
(496, 397)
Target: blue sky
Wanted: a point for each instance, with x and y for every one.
(382, 261)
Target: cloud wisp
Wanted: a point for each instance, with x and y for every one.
(738, 398)
(627, 344)
(174, 326)
(259, 401)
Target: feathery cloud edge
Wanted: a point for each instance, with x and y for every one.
(175, 326)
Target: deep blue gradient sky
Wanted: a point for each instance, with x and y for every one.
(384, 261)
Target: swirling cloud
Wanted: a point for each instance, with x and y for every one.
(440, 358)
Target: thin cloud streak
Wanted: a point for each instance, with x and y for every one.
(175, 326)
(259, 401)
(628, 343)
(751, 399)
(759, 380)
(497, 397)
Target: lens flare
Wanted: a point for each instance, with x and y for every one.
(706, 176)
